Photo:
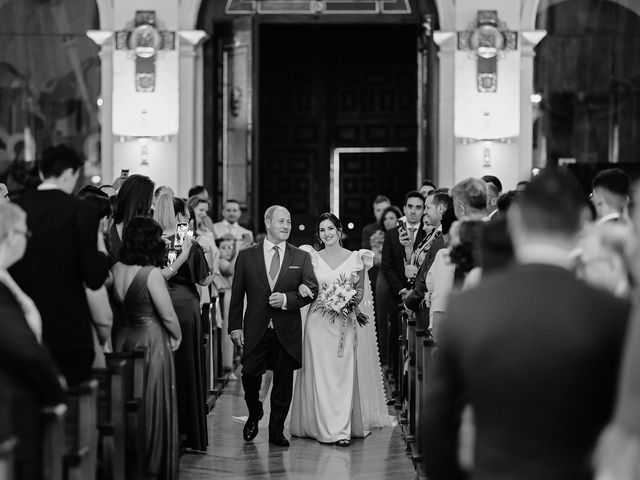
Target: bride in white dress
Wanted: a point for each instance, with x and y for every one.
(338, 395)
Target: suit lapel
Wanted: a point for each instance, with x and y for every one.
(262, 269)
(286, 262)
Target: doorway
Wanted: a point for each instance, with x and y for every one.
(328, 87)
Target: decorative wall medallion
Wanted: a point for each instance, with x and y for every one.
(145, 40)
(487, 39)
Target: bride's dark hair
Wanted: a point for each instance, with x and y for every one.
(333, 219)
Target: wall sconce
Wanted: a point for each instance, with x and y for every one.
(486, 154)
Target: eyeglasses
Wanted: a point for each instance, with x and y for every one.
(26, 233)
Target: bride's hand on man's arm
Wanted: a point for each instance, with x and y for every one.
(305, 291)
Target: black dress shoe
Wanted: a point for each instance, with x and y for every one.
(250, 429)
(279, 440)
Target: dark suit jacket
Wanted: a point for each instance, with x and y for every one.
(28, 363)
(367, 231)
(535, 353)
(414, 299)
(250, 279)
(61, 257)
(392, 265)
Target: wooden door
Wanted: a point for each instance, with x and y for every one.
(324, 87)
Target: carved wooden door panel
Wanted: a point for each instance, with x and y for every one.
(329, 87)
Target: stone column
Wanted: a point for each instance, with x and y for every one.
(190, 80)
(529, 40)
(446, 134)
(104, 39)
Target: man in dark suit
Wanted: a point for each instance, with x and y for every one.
(380, 203)
(61, 258)
(396, 251)
(438, 202)
(270, 333)
(533, 351)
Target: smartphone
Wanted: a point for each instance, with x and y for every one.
(181, 232)
(402, 224)
(124, 173)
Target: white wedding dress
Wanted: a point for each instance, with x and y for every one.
(339, 397)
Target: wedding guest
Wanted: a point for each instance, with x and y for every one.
(152, 324)
(610, 195)
(200, 210)
(22, 354)
(397, 242)
(4, 193)
(159, 191)
(189, 358)
(202, 193)
(134, 199)
(224, 280)
(427, 187)
(525, 349)
(384, 297)
(29, 375)
(380, 203)
(61, 258)
(231, 214)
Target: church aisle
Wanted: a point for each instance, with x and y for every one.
(379, 456)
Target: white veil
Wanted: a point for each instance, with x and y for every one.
(373, 401)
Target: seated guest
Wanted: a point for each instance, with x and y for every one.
(29, 375)
(61, 258)
(190, 366)
(151, 324)
(533, 351)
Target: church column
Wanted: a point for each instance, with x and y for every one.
(446, 41)
(104, 39)
(529, 41)
(190, 97)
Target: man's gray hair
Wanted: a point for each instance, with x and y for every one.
(10, 215)
(471, 192)
(268, 214)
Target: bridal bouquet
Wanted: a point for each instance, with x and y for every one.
(338, 299)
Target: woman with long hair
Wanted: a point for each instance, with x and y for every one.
(190, 358)
(339, 392)
(151, 324)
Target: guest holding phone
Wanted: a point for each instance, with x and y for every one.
(190, 374)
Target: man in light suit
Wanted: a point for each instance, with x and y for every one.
(270, 331)
(533, 351)
(229, 225)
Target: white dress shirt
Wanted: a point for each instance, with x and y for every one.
(267, 248)
(223, 228)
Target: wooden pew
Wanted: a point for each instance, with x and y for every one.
(410, 404)
(427, 354)
(415, 453)
(134, 388)
(111, 420)
(7, 446)
(81, 431)
(401, 383)
(53, 441)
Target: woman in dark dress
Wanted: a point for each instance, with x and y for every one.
(190, 366)
(151, 323)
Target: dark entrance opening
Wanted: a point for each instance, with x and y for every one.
(341, 97)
